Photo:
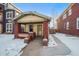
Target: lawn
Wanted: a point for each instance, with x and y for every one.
(10, 46)
(70, 41)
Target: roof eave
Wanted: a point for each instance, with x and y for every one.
(25, 13)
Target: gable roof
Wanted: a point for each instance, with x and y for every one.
(12, 6)
(70, 6)
(16, 8)
(32, 12)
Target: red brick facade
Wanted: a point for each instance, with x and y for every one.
(45, 29)
(72, 19)
(16, 29)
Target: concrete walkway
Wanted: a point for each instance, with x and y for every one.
(35, 48)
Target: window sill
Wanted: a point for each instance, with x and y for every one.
(8, 18)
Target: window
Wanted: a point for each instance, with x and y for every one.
(5, 5)
(67, 26)
(9, 15)
(69, 12)
(9, 27)
(64, 26)
(0, 17)
(0, 8)
(23, 27)
(31, 28)
(77, 23)
(64, 16)
(17, 13)
(1, 28)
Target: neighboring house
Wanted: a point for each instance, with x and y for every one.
(68, 22)
(8, 13)
(32, 22)
(1, 17)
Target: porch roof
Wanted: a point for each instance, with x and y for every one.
(47, 18)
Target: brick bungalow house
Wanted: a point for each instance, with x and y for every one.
(1, 17)
(7, 12)
(31, 21)
(68, 21)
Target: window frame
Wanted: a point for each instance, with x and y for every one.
(1, 17)
(77, 23)
(64, 25)
(9, 27)
(30, 27)
(64, 16)
(67, 25)
(69, 12)
(9, 14)
(23, 28)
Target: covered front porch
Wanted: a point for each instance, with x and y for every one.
(31, 30)
(36, 28)
(30, 26)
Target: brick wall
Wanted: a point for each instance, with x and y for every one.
(45, 29)
(72, 21)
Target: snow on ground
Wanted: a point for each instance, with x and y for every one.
(71, 41)
(51, 42)
(10, 46)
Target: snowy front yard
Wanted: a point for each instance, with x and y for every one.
(10, 46)
(71, 41)
(51, 42)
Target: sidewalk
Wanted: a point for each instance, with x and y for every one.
(36, 49)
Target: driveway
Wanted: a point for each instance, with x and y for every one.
(35, 48)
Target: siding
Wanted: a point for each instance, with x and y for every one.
(31, 18)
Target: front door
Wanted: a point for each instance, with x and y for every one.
(39, 30)
(31, 28)
(9, 27)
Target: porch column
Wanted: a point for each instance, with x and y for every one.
(45, 33)
(16, 28)
(45, 29)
